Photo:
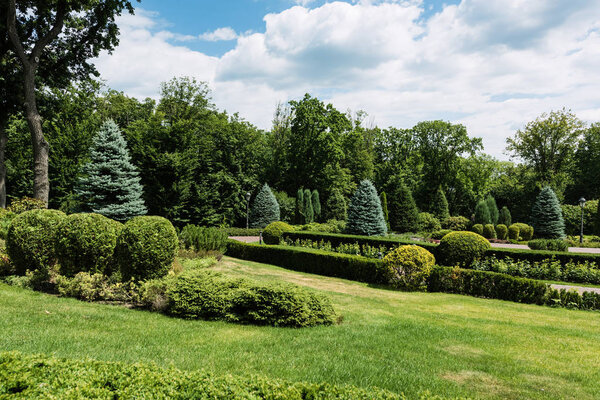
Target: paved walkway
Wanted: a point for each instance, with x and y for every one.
(245, 239)
(592, 250)
(580, 289)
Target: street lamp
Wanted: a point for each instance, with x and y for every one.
(248, 195)
(581, 204)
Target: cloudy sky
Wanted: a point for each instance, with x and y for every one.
(491, 65)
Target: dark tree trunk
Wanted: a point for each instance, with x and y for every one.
(3, 140)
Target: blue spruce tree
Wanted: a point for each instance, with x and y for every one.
(365, 216)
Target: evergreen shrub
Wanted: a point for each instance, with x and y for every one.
(514, 232)
(23, 204)
(461, 248)
(336, 206)
(501, 231)
(274, 231)
(546, 216)
(489, 232)
(504, 218)
(365, 216)
(525, 231)
(402, 210)
(492, 208)
(439, 205)
(264, 209)
(428, 222)
(202, 239)
(478, 229)
(458, 223)
(437, 235)
(299, 211)
(409, 267)
(316, 205)
(309, 212)
(482, 213)
(6, 218)
(548, 244)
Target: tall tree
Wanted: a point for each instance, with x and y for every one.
(365, 216)
(546, 215)
(265, 208)
(316, 205)
(58, 33)
(493, 208)
(402, 208)
(309, 212)
(504, 216)
(439, 205)
(482, 213)
(300, 206)
(586, 169)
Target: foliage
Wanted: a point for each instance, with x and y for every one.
(458, 223)
(489, 232)
(525, 231)
(585, 174)
(273, 232)
(504, 217)
(336, 206)
(546, 215)
(478, 229)
(31, 239)
(482, 213)
(110, 184)
(439, 205)
(428, 222)
(572, 217)
(437, 235)
(203, 239)
(146, 247)
(86, 243)
(384, 208)
(540, 255)
(514, 232)
(6, 218)
(316, 205)
(309, 212)
(492, 208)
(502, 231)
(403, 211)
(23, 204)
(548, 244)
(94, 287)
(461, 248)
(300, 206)
(287, 206)
(331, 226)
(264, 209)
(365, 216)
(409, 267)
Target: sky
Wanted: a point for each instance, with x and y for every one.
(492, 65)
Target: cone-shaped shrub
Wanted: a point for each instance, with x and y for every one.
(482, 213)
(492, 208)
(365, 216)
(546, 215)
(300, 206)
(316, 205)
(309, 212)
(336, 206)
(110, 183)
(504, 217)
(384, 208)
(439, 205)
(403, 212)
(264, 208)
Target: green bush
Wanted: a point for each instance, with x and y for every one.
(437, 235)
(439, 204)
(365, 216)
(331, 226)
(6, 218)
(94, 287)
(31, 239)
(273, 232)
(461, 248)
(492, 208)
(525, 231)
(505, 218)
(478, 229)
(264, 209)
(6, 267)
(403, 212)
(25, 204)
(514, 232)
(501, 231)
(540, 255)
(335, 207)
(86, 243)
(203, 239)
(489, 232)
(428, 222)
(458, 223)
(409, 267)
(546, 216)
(146, 247)
(482, 213)
(548, 244)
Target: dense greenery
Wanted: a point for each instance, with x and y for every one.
(201, 239)
(461, 248)
(273, 232)
(548, 244)
(403, 212)
(546, 216)
(365, 216)
(264, 209)
(409, 267)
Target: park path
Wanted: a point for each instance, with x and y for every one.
(579, 289)
(525, 247)
(245, 239)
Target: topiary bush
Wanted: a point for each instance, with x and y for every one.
(514, 232)
(25, 204)
(478, 229)
(461, 248)
(437, 235)
(146, 247)
(501, 231)
(548, 244)
(489, 232)
(546, 216)
(273, 232)
(31, 239)
(365, 216)
(458, 223)
(428, 222)
(203, 239)
(409, 267)
(525, 231)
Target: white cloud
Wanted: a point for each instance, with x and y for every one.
(219, 34)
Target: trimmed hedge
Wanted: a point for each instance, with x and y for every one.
(540, 255)
(274, 231)
(548, 244)
(200, 238)
(337, 238)
(461, 248)
(409, 266)
(478, 229)
(502, 231)
(489, 232)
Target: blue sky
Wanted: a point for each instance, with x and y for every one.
(492, 65)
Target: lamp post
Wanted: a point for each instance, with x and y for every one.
(581, 204)
(248, 195)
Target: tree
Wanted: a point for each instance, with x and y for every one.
(300, 206)
(493, 209)
(286, 206)
(546, 215)
(63, 34)
(316, 205)
(586, 169)
(403, 211)
(504, 217)
(309, 214)
(264, 208)
(110, 184)
(384, 207)
(365, 216)
(439, 205)
(482, 213)
(336, 206)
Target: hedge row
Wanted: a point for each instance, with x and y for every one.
(540, 255)
(318, 262)
(337, 238)
(38, 376)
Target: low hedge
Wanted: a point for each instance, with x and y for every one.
(273, 232)
(40, 376)
(337, 238)
(318, 262)
(200, 238)
(540, 255)
(548, 244)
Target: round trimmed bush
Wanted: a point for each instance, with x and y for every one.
(513, 232)
(86, 243)
(501, 231)
(146, 247)
(437, 235)
(458, 223)
(273, 232)
(428, 222)
(409, 266)
(478, 229)
(489, 232)
(31, 239)
(461, 248)
(525, 231)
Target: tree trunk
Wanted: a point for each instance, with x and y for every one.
(3, 140)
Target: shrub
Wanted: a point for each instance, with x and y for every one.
(482, 213)
(409, 266)
(336, 206)
(299, 211)
(461, 248)
(493, 208)
(525, 231)
(6, 267)
(403, 212)
(478, 229)
(203, 239)
(504, 218)
(548, 244)
(6, 218)
(273, 232)
(146, 247)
(31, 239)
(365, 216)
(86, 243)
(264, 208)
(287, 205)
(439, 205)
(384, 208)
(309, 212)
(546, 216)
(428, 222)
(514, 232)
(440, 234)
(489, 232)
(501, 231)
(458, 223)
(25, 204)
(93, 287)
(572, 217)
(540, 255)
(316, 205)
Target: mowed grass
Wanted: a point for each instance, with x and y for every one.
(406, 342)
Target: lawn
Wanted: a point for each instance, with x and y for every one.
(405, 342)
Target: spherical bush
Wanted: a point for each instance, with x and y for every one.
(478, 229)
(502, 231)
(146, 247)
(489, 232)
(514, 232)
(86, 243)
(461, 248)
(409, 266)
(31, 239)
(273, 232)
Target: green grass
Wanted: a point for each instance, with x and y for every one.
(405, 342)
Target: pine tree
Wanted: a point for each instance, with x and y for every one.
(439, 205)
(546, 216)
(482, 213)
(336, 206)
(300, 206)
(309, 214)
(110, 183)
(365, 216)
(316, 205)
(401, 207)
(505, 217)
(384, 207)
(493, 208)
(265, 208)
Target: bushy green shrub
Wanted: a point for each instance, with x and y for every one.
(6, 267)
(504, 218)
(458, 223)
(403, 212)
(493, 208)
(439, 205)
(501, 231)
(482, 213)
(146, 247)
(548, 244)
(572, 217)
(5, 219)
(365, 216)
(264, 209)
(525, 231)
(203, 239)
(437, 235)
(309, 212)
(331, 226)
(316, 205)
(86, 243)
(461, 248)
(287, 206)
(546, 216)
(93, 287)
(31, 239)
(409, 267)
(478, 229)
(273, 232)
(514, 232)
(336, 207)
(428, 222)
(23, 204)
(540, 255)
(489, 232)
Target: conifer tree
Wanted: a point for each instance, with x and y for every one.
(265, 208)
(300, 206)
(384, 207)
(546, 215)
(493, 208)
(365, 216)
(110, 183)
(439, 205)
(505, 217)
(401, 207)
(482, 213)
(309, 214)
(336, 206)
(316, 205)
